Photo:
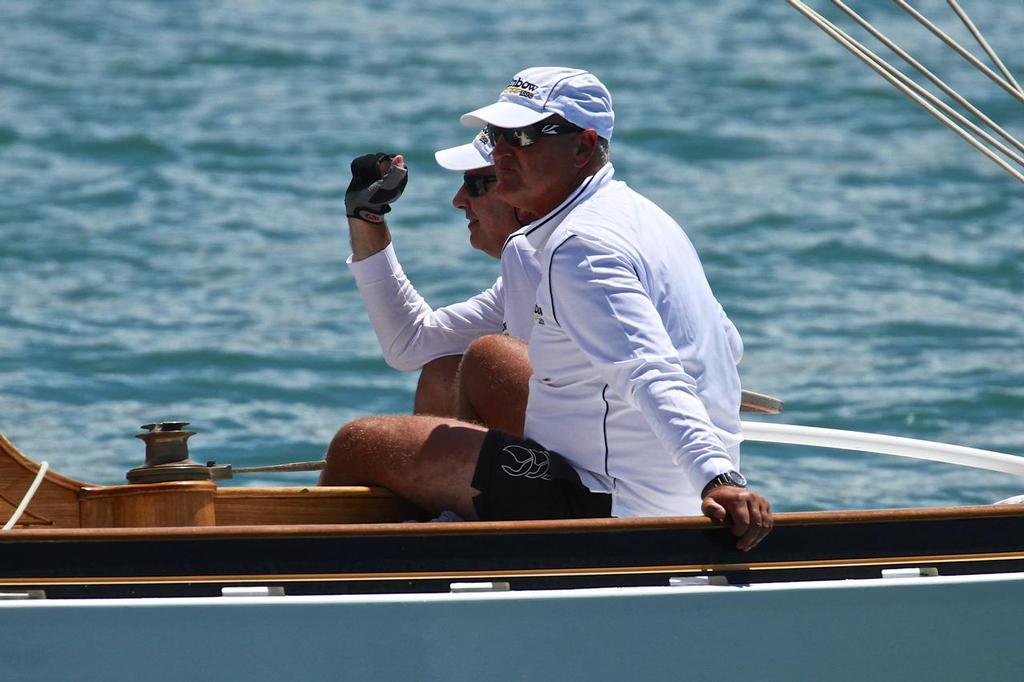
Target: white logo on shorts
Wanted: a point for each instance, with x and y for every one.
(529, 463)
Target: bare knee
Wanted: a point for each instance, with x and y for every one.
(492, 352)
(351, 455)
(427, 460)
(493, 383)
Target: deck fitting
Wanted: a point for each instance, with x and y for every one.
(167, 455)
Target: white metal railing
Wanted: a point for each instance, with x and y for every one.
(792, 434)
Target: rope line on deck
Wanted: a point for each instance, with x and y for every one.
(29, 494)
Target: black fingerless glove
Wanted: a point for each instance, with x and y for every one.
(370, 193)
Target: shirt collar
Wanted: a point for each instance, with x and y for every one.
(538, 231)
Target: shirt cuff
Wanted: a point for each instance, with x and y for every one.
(381, 265)
(702, 473)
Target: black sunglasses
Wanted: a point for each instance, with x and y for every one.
(527, 135)
(476, 185)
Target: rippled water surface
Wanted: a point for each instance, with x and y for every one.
(174, 244)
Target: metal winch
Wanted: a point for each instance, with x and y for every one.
(167, 459)
(167, 456)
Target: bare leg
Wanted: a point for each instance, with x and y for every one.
(435, 391)
(427, 460)
(494, 383)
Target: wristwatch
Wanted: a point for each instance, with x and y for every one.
(731, 478)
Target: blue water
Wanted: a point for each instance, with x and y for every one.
(173, 241)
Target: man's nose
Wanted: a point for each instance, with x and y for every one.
(502, 149)
(461, 198)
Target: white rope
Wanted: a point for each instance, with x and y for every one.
(856, 49)
(984, 44)
(29, 494)
(791, 434)
(882, 38)
(960, 50)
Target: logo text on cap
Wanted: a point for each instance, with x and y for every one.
(517, 86)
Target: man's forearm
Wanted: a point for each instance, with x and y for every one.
(367, 238)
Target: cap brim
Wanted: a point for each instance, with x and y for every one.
(462, 158)
(504, 115)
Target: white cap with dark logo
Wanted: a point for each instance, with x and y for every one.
(470, 156)
(542, 91)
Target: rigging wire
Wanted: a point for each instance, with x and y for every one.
(984, 44)
(960, 50)
(869, 58)
(942, 85)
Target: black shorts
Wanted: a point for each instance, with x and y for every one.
(520, 479)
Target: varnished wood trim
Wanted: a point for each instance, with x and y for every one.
(8, 450)
(506, 527)
(145, 489)
(306, 492)
(163, 505)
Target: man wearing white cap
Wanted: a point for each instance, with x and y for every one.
(634, 402)
(411, 334)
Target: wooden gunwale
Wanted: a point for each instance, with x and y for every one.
(9, 451)
(508, 527)
(404, 557)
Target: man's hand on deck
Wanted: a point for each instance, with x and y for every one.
(748, 514)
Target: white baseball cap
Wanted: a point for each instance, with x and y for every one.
(542, 91)
(469, 156)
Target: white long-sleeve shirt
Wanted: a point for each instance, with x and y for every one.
(411, 333)
(635, 379)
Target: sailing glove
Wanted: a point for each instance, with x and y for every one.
(370, 193)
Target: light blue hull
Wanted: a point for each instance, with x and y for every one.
(929, 628)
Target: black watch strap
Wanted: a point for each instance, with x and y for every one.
(730, 478)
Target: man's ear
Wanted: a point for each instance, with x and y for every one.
(586, 147)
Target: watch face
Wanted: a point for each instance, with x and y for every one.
(732, 478)
(736, 478)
